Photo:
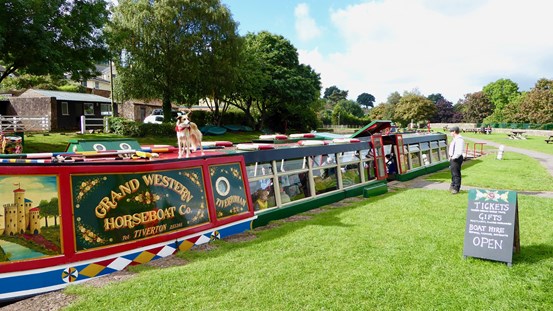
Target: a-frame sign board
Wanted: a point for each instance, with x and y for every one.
(492, 230)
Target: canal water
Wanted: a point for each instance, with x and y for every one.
(18, 252)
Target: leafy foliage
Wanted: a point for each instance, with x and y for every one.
(393, 98)
(500, 93)
(475, 107)
(124, 127)
(52, 36)
(435, 97)
(289, 91)
(183, 49)
(536, 106)
(384, 111)
(349, 107)
(366, 99)
(27, 81)
(444, 111)
(413, 107)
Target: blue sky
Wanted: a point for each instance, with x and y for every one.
(452, 47)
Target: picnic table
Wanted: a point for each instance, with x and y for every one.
(516, 135)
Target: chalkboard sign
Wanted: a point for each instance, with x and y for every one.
(492, 225)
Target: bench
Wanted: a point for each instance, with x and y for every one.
(549, 140)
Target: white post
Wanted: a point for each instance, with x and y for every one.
(83, 124)
(106, 124)
(500, 152)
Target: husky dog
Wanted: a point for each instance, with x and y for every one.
(189, 136)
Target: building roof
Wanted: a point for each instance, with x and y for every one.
(69, 96)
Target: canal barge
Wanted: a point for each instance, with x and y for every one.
(103, 205)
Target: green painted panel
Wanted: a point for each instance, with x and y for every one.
(114, 208)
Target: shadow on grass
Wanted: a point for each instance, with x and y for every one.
(326, 216)
(533, 253)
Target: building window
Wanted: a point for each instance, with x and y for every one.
(105, 109)
(83, 83)
(88, 109)
(64, 109)
(96, 85)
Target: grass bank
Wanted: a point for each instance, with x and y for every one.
(536, 143)
(514, 172)
(402, 250)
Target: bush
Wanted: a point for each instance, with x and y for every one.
(159, 130)
(124, 127)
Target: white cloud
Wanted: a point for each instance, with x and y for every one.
(306, 27)
(398, 45)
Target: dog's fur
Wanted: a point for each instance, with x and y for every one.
(189, 136)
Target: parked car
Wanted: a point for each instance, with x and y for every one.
(156, 119)
(157, 116)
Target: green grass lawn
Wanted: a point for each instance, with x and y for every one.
(536, 143)
(514, 172)
(402, 250)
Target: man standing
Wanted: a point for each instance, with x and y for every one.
(456, 150)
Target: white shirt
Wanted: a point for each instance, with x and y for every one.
(456, 147)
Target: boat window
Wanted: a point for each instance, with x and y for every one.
(424, 146)
(293, 187)
(369, 167)
(426, 157)
(263, 194)
(435, 157)
(351, 174)
(413, 148)
(368, 164)
(325, 179)
(259, 169)
(350, 156)
(415, 160)
(292, 165)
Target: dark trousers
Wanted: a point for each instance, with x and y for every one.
(455, 167)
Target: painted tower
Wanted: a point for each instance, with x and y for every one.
(15, 217)
(19, 201)
(34, 220)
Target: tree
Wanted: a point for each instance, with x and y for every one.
(414, 107)
(444, 111)
(536, 106)
(49, 209)
(350, 107)
(500, 93)
(176, 50)
(333, 94)
(435, 97)
(252, 79)
(52, 37)
(394, 98)
(287, 93)
(476, 107)
(383, 111)
(366, 99)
